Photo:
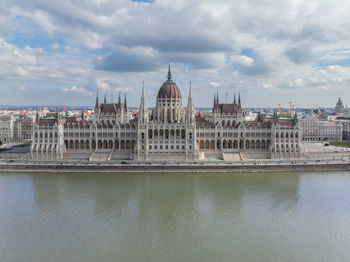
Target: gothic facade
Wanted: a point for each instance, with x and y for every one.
(168, 132)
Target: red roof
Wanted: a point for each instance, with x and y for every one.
(169, 90)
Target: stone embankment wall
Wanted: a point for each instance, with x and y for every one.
(174, 168)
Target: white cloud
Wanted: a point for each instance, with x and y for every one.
(292, 47)
(242, 59)
(214, 84)
(101, 84)
(75, 89)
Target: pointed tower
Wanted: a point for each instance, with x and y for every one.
(143, 115)
(234, 98)
(125, 104)
(214, 99)
(190, 113)
(97, 103)
(37, 117)
(105, 100)
(239, 100)
(217, 97)
(295, 117)
(169, 73)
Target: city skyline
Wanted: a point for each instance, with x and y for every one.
(272, 53)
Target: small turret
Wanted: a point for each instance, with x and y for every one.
(97, 104)
(125, 104)
(37, 117)
(239, 100)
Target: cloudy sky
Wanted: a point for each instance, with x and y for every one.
(65, 51)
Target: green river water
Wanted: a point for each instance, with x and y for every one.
(174, 217)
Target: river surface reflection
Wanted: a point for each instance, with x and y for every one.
(175, 217)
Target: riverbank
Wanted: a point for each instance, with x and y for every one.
(191, 168)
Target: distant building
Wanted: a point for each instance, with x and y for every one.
(26, 128)
(10, 129)
(339, 107)
(315, 130)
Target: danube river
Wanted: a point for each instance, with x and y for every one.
(175, 217)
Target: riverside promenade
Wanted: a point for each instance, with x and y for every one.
(207, 167)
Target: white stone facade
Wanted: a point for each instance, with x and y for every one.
(168, 132)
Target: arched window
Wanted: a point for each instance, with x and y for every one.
(218, 144)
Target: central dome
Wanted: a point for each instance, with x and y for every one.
(169, 89)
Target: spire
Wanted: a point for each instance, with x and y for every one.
(295, 118)
(105, 100)
(96, 106)
(239, 100)
(190, 114)
(217, 97)
(234, 98)
(190, 92)
(143, 115)
(119, 101)
(37, 117)
(214, 99)
(125, 105)
(169, 72)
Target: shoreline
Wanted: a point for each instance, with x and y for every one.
(228, 168)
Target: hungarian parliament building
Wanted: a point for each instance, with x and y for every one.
(168, 132)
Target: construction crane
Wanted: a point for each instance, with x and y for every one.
(291, 105)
